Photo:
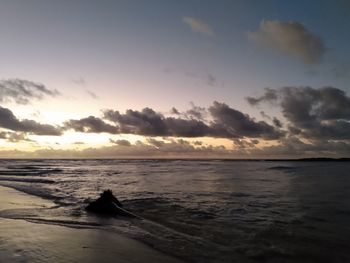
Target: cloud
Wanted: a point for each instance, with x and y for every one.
(224, 122)
(269, 95)
(145, 122)
(174, 111)
(199, 26)
(245, 144)
(121, 142)
(22, 91)
(150, 123)
(277, 122)
(211, 80)
(312, 113)
(3, 135)
(228, 123)
(196, 112)
(179, 148)
(14, 136)
(92, 94)
(187, 128)
(155, 142)
(296, 148)
(17, 137)
(172, 148)
(197, 143)
(79, 81)
(236, 124)
(9, 121)
(290, 38)
(91, 124)
(78, 143)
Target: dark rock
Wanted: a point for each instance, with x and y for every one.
(107, 203)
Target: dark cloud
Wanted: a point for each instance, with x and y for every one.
(227, 123)
(3, 135)
(269, 95)
(196, 112)
(155, 142)
(244, 144)
(121, 142)
(313, 113)
(22, 91)
(187, 128)
(91, 124)
(294, 147)
(197, 143)
(224, 122)
(9, 121)
(264, 115)
(14, 136)
(146, 122)
(180, 146)
(291, 38)
(236, 124)
(254, 141)
(174, 111)
(287, 148)
(17, 137)
(277, 122)
(152, 148)
(150, 123)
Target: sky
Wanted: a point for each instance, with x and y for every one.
(174, 79)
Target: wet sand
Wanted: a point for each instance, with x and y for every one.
(23, 241)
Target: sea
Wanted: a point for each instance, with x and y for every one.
(200, 210)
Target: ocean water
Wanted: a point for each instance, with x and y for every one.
(201, 211)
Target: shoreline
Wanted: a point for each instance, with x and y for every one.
(304, 159)
(24, 241)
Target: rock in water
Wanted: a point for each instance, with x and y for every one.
(107, 203)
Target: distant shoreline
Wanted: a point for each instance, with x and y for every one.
(316, 159)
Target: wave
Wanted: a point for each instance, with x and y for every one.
(23, 172)
(66, 223)
(199, 211)
(36, 191)
(27, 180)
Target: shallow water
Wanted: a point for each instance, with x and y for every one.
(202, 211)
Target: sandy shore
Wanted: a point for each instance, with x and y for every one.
(22, 241)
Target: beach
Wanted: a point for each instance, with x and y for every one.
(25, 241)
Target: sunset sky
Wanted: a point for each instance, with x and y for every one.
(173, 79)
